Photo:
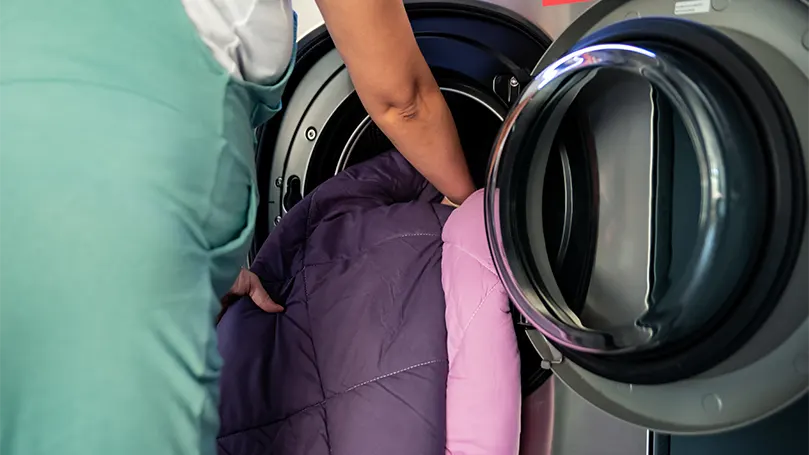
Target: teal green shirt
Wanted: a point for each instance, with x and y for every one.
(127, 201)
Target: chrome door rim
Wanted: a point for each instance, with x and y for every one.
(759, 366)
(544, 306)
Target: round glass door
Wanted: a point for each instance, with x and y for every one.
(682, 217)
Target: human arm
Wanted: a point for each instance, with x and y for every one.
(398, 90)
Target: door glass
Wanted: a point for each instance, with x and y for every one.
(646, 182)
(672, 214)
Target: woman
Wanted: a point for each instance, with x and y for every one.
(128, 195)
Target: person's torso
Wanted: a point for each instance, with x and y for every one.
(210, 61)
(127, 95)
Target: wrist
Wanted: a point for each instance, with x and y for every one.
(459, 194)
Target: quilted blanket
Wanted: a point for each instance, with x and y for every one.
(357, 362)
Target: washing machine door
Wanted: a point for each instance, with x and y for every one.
(671, 292)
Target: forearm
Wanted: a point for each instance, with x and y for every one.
(397, 88)
(424, 132)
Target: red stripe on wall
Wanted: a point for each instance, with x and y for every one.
(560, 2)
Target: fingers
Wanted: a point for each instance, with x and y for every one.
(446, 201)
(241, 286)
(248, 284)
(260, 296)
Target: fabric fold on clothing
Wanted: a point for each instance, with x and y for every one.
(357, 362)
(483, 388)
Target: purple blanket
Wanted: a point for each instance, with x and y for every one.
(357, 364)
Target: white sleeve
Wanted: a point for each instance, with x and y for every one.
(251, 39)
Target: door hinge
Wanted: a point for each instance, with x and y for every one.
(549, 354)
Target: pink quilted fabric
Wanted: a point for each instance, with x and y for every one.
(483, 386)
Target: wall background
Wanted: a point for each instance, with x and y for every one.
(308, 16)
(551, 19)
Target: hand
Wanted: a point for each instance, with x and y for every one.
(248, 284)
(446, 201)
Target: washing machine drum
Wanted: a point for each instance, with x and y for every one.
(666, 264)
(481, 55)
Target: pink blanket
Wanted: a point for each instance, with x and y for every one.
(483, 387)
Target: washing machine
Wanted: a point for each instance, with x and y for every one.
(646, 203)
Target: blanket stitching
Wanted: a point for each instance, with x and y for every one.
(473, 256)
(387, 375)
(306, 296)
(472, 318)
(437, 218)
(381, 242)
(480, 305)
(222, 447)
(317, 368)
(338, 394)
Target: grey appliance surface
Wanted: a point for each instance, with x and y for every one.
(579, 428)
(621, 115)
(551, 19)
(480, 53)
(768, 372)
(786, 433)
(320, 94)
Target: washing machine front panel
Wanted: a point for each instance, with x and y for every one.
(319, 86)
(552, 20)
(552, 17)
(690, 315)
(481, 54)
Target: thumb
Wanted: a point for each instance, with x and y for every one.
(447, 201)
(260, 297)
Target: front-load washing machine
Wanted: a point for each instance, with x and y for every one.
(481, 54)
(646, 199)
(673, 294)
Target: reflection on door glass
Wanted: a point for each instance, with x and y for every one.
(637, 170)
